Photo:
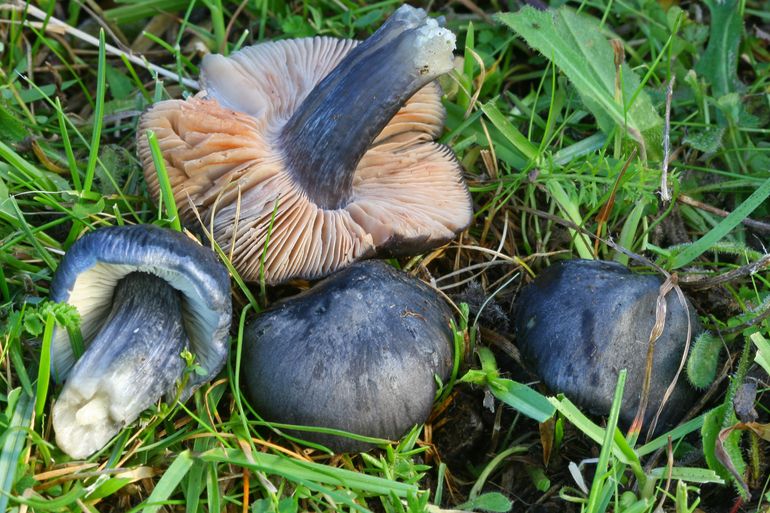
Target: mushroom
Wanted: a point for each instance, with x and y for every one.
(358, 352)
(144, 295)
(323, 146)
(581, 321)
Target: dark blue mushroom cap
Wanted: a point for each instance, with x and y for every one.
(358, 352)
(581, 321)
(94, 264)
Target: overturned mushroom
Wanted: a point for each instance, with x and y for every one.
(144, 295)
(358, 352)
(581, 321)
(326, 146)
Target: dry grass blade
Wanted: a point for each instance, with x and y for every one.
(700, 283)
(759, 226)
(657, 330)
(604, 215)
(682, 362)
(55, 25)
(665, 192)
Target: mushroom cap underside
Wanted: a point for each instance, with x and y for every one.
(89, 271)
(220, 153)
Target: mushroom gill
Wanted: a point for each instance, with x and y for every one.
(325, 146)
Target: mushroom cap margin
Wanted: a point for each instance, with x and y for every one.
(93, 265)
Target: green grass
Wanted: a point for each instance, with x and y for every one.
(560, 143)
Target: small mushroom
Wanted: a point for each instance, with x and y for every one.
(144, 295)
(581, 321)
(358, 352)
(325, 146)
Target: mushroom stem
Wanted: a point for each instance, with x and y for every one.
(130, 364)
(331, 130)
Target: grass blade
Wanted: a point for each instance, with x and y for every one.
(167, 194)
(689, 474)
(510, 132)
(724, 227)
(65, 137)
(14, 439)
(169, 482)
(516, 395)
(675, 434)
(25, 227)
(522, 398)
(296, 470)
(213, 498)
(604, 455)
(39, 180)
(572, 212)
(620, 448)
(44, 367)
(93, 154)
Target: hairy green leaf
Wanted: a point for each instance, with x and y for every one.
(712, 425)
(703, 360)
(11, 129)
(719, 63)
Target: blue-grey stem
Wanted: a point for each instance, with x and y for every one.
(331, 130)
(133, 361)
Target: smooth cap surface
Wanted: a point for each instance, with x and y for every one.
(357, 352)
(581, 321)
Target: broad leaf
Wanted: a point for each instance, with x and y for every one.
(729, 447)
(577, 46)
(719, 64)
(492, 501)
